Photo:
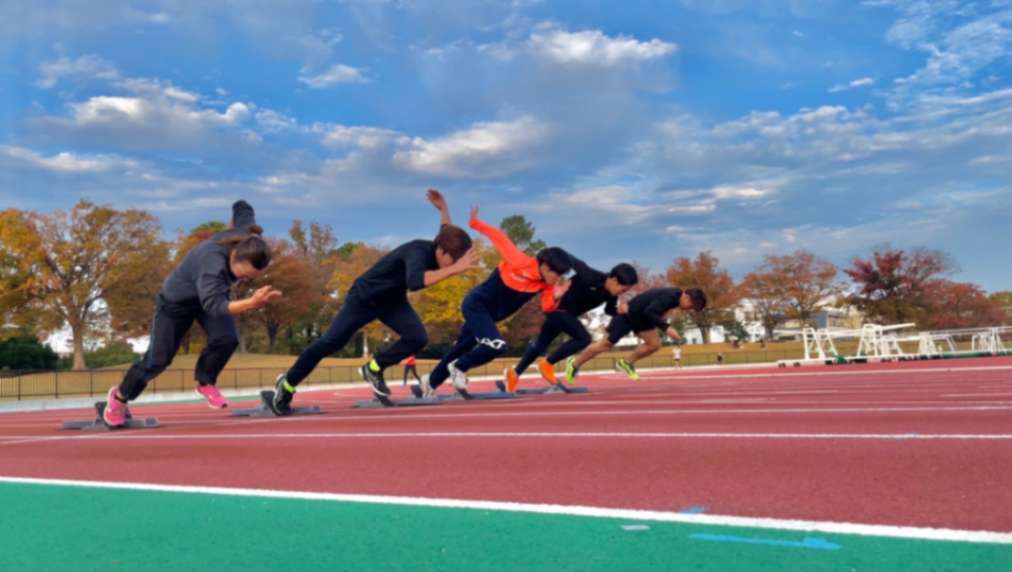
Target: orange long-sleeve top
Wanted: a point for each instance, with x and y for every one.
(518, 270)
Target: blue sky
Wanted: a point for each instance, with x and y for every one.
(626, 131)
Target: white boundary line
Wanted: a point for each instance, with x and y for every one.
(514, 435)
(938, 534)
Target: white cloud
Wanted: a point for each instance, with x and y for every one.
(593, 47)
(88, 66)
(862, 82)
(484, 149)
(960, 41)
(149, 113)
(336, 74)
(368, 138)
(64, 162)
(745, 193)
(137, 112)
(702, 208)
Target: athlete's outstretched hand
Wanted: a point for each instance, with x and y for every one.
(436, 198)
(673, 334)
(264, 295)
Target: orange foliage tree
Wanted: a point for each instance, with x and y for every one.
(704, 272)
(90, 269)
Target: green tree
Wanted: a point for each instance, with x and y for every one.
(112, 353)
(25, 352)
(521, 232)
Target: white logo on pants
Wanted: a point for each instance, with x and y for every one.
(494, 344)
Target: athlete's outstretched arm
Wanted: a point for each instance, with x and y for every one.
(509, 251)
(438, 201)
(463, 264)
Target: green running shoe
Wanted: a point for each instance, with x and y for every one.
(571, 371)
(628, 369)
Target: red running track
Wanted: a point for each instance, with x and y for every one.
(802, 443)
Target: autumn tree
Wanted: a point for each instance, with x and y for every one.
(1004, 301)
(953, 305)
(85, 268)
(704, 272)
(292, 274)
(795, 286)
(647, 280)
(318, 246)
(765, 291)
(893, 283)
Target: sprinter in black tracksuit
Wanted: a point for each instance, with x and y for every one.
(381, 294)
(590, 288)
(199, 290)
(645, 317)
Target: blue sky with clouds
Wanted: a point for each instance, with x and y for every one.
(636, 130)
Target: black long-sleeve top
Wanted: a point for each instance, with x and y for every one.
(204, 275)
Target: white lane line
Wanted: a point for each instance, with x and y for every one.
(146, 436)
(977, 395)
(912, 532)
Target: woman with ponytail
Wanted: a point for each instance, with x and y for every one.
(200, 289)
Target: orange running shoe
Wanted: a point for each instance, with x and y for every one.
(512, 379)
(547, 370)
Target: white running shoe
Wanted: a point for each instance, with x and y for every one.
(459, 378)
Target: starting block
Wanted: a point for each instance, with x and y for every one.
(378, 402)
(264, 410)
(98, 424)
(557, 389)
(465, 395)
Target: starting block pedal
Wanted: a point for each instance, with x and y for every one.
(264, 410)
(98, 424)
(557, 389)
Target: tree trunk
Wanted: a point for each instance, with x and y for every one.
(78, 333)
(272, 336)
(242, 339)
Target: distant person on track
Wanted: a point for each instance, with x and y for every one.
(516, 280)
(199, 289)
(676, 354)
(410, 368)
(590, 288)
(381, 294)
(645, 316)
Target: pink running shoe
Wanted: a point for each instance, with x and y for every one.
(215, 400)
(115, 414)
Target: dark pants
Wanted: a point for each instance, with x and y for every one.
(170, 324)
(396, 313)
(556, 323)
(479, 341)
(410, 369)
(624, 324)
